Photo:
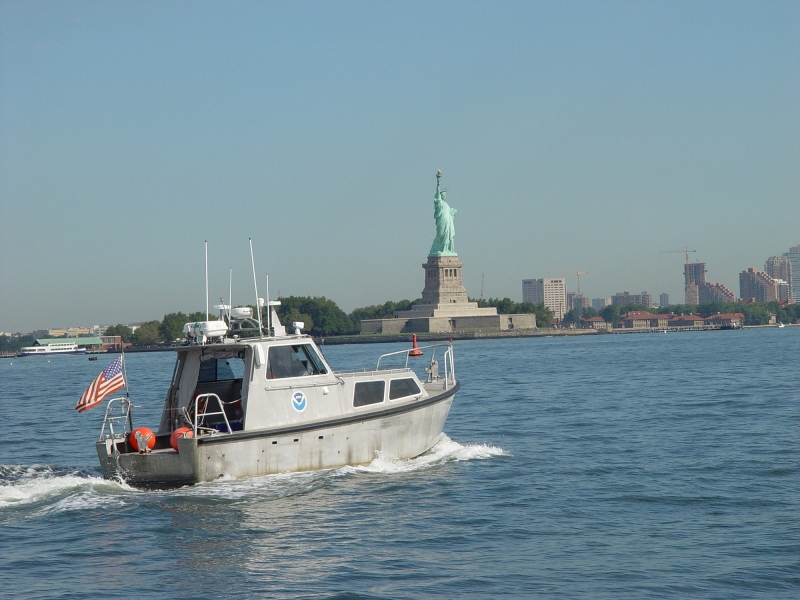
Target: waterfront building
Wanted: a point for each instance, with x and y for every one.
(624, 298)
(780, 267)
(794, 258)
(595, 323)
(600, 303)
(663, 300)
(550, 291)
(641, 319)
(687, 321)
(757, 286)
(726, 320)
(715, 292)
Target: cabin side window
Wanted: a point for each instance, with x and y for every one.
(368, 392)
(401, 388)
(299, 360)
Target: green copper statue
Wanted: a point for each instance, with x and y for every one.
(445, 226)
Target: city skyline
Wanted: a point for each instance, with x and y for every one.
(570, 136)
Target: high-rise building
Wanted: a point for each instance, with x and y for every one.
(758, 286)
(600, 303)
(550, 291)
(577, 301)
(784, 291)
(663, 300)
(623, 298)
(694, 275)
(714, 292)
(794, 259)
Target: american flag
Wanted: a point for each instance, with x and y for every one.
(108, 382)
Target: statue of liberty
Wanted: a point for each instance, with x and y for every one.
(445, 226)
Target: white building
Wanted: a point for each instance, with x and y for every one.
(550, 291)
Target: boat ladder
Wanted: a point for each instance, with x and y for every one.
(201, 411)
(118, 414)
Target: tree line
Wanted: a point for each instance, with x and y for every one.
(321, 317)
(755, 313)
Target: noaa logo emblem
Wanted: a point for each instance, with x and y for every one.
(299, 401)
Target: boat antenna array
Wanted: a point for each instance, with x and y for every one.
(259, 301)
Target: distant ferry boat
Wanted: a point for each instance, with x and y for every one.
(51, 349)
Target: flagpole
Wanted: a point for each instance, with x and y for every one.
(127, 389)
(125, 374)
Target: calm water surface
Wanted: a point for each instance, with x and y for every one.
(632, 466)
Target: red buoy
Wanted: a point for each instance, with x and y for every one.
(147, 434)
(177, 434)
(416, 351)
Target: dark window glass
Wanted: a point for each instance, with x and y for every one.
(294, 361)
(222, 369)
(400, 388)
(208, 371)
(368, 392)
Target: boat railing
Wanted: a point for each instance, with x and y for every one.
(359, 372)
(201, 411)
(433, 369)
(118, 414)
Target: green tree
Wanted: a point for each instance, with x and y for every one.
(589, 312)
(572, 317)
(171, 327)
(123, 331)
(377, 311)
(327, 318)
(8, 344)
(147, 334)
(610, 314)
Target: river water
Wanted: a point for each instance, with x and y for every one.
(618, 466)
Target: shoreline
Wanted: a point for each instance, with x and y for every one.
(460, 336)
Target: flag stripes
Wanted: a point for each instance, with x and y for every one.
(109, 381)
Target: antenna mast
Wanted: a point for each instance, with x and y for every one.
(482, 274)
(255, 284)
(206, 242)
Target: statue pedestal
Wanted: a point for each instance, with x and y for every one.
(444, 294)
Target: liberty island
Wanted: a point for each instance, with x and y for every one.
(445, 306)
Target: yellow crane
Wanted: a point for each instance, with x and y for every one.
(576, 272)
(684, 249)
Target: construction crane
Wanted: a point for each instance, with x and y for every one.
(576, 272)
(684, 249)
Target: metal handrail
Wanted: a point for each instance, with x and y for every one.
(449, 364)
(208, 414)
(110, 419)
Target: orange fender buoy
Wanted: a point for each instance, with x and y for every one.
(416, 351)
(177, 434)
(147, 434)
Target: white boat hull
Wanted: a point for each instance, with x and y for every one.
(402, 432)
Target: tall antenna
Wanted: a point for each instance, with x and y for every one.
(230, 294)
(269, 308)
(206, 242)
(255, 284)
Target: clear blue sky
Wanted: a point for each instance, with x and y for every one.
(570, 134)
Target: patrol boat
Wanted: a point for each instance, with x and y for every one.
(248, 400)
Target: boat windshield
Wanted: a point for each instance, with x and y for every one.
(294, 361)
